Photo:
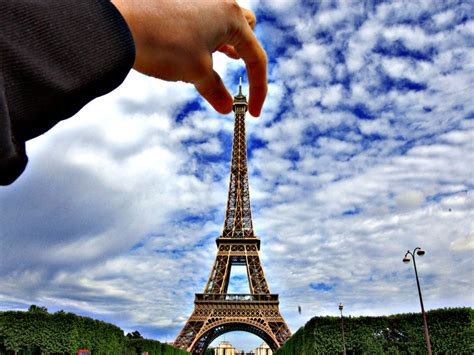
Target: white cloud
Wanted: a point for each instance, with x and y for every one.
(379, 126)
(332, 96)
(281, 6)
(463, 244)
(410, 199)
(412, 36)
(444, 18)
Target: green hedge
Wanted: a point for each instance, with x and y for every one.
(451, 332)
(153, 347)
(37, 331)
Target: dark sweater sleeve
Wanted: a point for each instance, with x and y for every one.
(55, 57)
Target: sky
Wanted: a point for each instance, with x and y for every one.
(364, 149)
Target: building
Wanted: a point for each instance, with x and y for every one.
(224, 348)
(263, 349)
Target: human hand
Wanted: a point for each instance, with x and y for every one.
(175, 39)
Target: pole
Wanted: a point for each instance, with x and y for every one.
(425, 323)
(342, 332)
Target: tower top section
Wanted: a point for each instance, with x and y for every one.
(240, 101)
(238, 218)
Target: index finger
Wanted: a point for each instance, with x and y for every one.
(255, 60)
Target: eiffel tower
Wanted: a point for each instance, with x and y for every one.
(215, 311)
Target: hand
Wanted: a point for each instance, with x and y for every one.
(175, 39)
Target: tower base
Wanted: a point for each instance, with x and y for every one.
(216, 314)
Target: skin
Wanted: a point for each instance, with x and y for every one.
(175, 39)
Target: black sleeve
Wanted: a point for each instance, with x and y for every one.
(55, 56)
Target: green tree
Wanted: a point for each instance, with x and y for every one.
(134, 335)
(36, 309)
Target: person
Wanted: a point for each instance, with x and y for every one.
(57, 55)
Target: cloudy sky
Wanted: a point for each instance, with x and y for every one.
(365, 148)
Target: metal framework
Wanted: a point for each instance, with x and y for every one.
(215, 311)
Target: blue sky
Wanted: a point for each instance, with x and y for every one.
(365, 148)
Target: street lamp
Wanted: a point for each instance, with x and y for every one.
(341, 306)
(406, 259)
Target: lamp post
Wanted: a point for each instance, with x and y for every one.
(341, 306)
(406, 259)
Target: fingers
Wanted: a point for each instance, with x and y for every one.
(229, 51)
(213, 90)
(243, 45)
(251, 20)
(255, 58)
(250, 17)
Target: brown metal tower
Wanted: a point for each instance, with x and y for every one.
(215, 311)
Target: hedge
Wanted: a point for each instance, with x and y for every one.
(451, 332)
(153, 347)
(38, 332)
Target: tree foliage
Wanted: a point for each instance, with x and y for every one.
(451, 332)
(37, 331)
(38, 309)
(134, 335)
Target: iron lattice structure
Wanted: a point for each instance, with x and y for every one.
(215, 311)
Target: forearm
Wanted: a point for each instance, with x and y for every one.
(56, 56)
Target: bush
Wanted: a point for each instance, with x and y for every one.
(37, 331)
(451, 332)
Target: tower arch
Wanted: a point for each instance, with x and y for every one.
(222, 327)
